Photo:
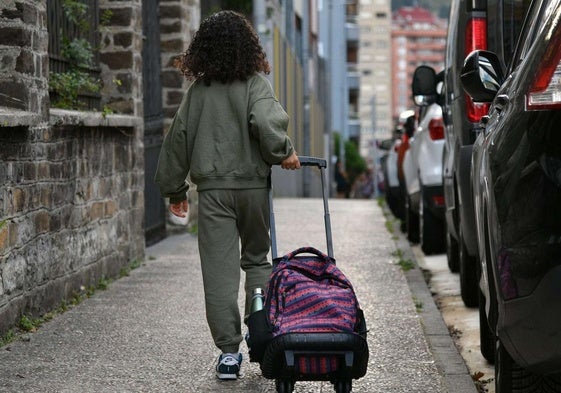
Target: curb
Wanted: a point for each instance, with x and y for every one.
(450, 364)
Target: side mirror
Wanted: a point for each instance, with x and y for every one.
(482, 75)
(424, 86)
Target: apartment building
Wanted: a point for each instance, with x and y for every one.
(417, 37)
(374, 66)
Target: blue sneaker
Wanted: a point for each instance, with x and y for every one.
(228, 366)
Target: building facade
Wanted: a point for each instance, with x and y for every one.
(418, 37)
(375, 71)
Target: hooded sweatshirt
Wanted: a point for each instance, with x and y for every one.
(226, 136)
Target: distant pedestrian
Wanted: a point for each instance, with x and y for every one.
(227, 132)
(364, 185)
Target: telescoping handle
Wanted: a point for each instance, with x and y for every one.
(321, 163)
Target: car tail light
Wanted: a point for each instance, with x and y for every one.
(436, 129)
(545, 91)
(476, 38)
(438, 200)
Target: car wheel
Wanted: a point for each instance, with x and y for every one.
(511, 378)
(486, 336)
(392, 202)
(411, 222)
(469, 283)
(431, 229)
(452, 253)
(402, 207)
(503, 369)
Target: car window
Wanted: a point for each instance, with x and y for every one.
(529, 31)
(514, 13)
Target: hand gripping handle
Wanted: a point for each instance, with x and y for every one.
(312, 161)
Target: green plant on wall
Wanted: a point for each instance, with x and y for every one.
(78, 52)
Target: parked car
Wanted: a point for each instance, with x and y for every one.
(516, 178)
(473, 24)
(422, 169)
(388, 164)
(407, 124)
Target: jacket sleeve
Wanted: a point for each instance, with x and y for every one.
(268, 123)
(173, 163)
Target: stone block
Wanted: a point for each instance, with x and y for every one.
(8, 57)
(42, 222)
(123, 40)
(43, 170)
(96, 211)
(16, 13)
(13, 230)
(55, 222)
(171, 11)
(19, 199)
(30, 171)
(117, 60)
(124, 85)
(15, 36)
(124, 105)
(45, 196)
(173, 45)
(25, 12)
(14, 93)
(170, 28)
(4, 238)
(13, 274)
(25, 63)
(110, 209)
(119, 16)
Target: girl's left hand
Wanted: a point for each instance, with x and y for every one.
(179, 209)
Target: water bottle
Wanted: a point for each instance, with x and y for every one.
(257, 300)
(257, 303)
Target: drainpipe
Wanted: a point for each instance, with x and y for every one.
(305, 83)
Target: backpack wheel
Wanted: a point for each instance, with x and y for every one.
(343, 386)
(284, 386)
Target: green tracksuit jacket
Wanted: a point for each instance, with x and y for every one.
(226, 135)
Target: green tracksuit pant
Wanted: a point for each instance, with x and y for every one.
(228, 218)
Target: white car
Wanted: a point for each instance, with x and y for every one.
(422, 169)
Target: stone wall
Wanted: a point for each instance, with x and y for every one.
(121, 56)
(179, 19)
(71, 183)
(23, 57)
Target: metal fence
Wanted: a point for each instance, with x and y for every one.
(62, 30)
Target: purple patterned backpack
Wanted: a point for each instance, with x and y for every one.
(308, 293)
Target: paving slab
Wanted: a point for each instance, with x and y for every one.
(147, 332)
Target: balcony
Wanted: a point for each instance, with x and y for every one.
(352, 32)
(353, 76)
(353, 80)
(353, 125)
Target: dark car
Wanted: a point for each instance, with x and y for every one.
(516, 178)
(473, 24)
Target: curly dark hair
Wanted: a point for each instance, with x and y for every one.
(225, 48)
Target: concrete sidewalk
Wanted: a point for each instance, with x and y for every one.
(147, 332)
